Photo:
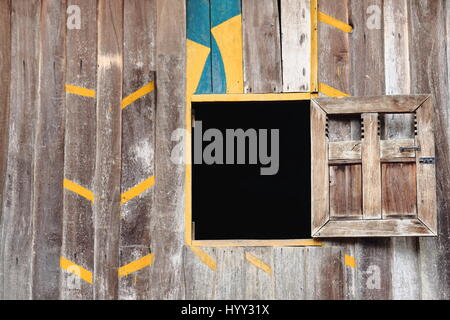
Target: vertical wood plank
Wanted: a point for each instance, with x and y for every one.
(79, 151)
(5, 80)
(319, 170)
(17, 203)
(373, 257)
(230, 283)
(371, 169)
(404, 265)
(167, 221)
(429, 23)
(345, 192)
(138, 143)
(262, 55)
(259, 284)
(49, 152)
(200, 279)
(296, 45)
(290, 274)
(399, 191)
(108, 153)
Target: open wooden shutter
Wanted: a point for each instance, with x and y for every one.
(373, 187)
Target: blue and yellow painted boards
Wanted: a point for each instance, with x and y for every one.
(215, 25)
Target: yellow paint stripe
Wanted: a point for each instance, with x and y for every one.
(74, 187)
(290, 96)
(71, 267)
(149, 87)
(228, 36)
(205, 258)
(314, 47)
(331, 92)
(136, 265)
(80, 91)
(335, 22)
(349, 261)
(137, 190)
(258, 263)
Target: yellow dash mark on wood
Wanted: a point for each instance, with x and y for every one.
(228, 36)
(138, 94)
(205, 258)
(72, 186)
(335, 22)
(331, 92)
(258, 263)
(77, 270)
(80, 91)
(136, 265)
(137, 190)
(349, 261)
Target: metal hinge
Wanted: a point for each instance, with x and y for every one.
(412, 148)
(427, 160)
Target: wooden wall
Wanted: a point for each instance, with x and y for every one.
(60, 150)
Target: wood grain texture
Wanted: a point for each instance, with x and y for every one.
(5, 81)
(390, 149)
(167, 223)
(200, 280)
(290, 273)
(398, 188)
(371, 170)
(49, 152)
(138, 143)
(319, 170)
(108, 152)
(296, 45)
(345, 192)
(262, 53)
(430, 22)
(79, 152)
(18, 193)
(344, 150)
(259, 284)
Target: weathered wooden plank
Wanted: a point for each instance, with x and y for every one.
(296, 45)
(259, 281)
(375, 228)
(398, 188)
(138, 142)
(167, 221)
(382, 104)
(79, 151)
(404, 265)
(345, 192)
(371, 171)
(319, 170)
(373, 257)
(321, 264)
(262, 53)
(289, 272)
(5, 80)
(200, 279)
(17, 203)
(108, 153)
(49, 157)
(344, 150)
(429, 23)
(390, 149)
(230, 283)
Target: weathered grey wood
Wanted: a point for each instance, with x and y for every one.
(319, 170)
(390, 149)
(230, 274)
(18, 193)
(49, 152)
(79, 152)
(261, 45)
(320, 264)
(345, 192)
(382, 104)
(289, 272)
(200, 279)
(371, 170)
(5, 80)
(259, 283)
(344, 150)
(429, 23)
(138, 143)
(167, 221)
(399, 191)
(296, 45)
(108, 152)
(374, 228)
